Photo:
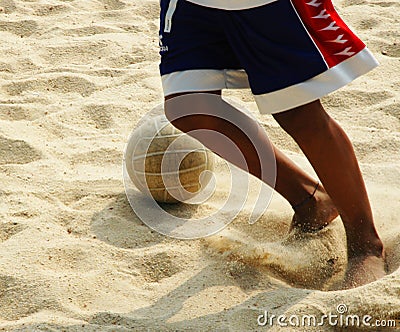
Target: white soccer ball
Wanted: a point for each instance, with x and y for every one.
(165, 163)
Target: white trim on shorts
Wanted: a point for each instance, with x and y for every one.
(276, 101)
(204, 80)
(169, 14)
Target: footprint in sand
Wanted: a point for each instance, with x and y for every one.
(23, 28)
(367, 23)
(6, 67)
(13, 113)
(391, 49)
(7, 6)
(100, 115)
(149, 11)
(347, 3)
(47, 10)
(79, 53)
(102, 321)
(113, 4)
(61, 84)
(158, 266)
(69, 258)
(387, 4)
(9, 229)
(393, 110)
(23, 297)
(17, 152)
(124, 60)
(355, 99)
(19, 112)
(88, 31)
(117, 225)
(97, 157)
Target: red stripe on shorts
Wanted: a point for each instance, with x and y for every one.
(332, 36)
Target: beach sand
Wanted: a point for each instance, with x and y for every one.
(75, 78)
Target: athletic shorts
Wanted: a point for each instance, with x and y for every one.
(289, 52)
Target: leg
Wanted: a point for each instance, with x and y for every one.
(291, 182)
(331, 154)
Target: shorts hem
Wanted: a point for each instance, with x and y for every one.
(201, 80)
(204, 80)
(317, 87)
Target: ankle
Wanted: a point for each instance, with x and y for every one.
(318, 202)
(372, 246)
(316, 213)
(307, 202)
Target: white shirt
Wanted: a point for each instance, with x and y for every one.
(231, 4)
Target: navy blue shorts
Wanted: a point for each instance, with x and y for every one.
(289, 52)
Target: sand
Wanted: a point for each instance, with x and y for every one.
(75, 78)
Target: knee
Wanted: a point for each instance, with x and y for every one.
(305, 121)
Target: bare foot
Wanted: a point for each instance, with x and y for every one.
(363, 270)
(318, 212)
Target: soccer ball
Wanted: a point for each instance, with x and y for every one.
(165, 163)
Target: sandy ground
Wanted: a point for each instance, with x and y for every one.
(75, 78)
